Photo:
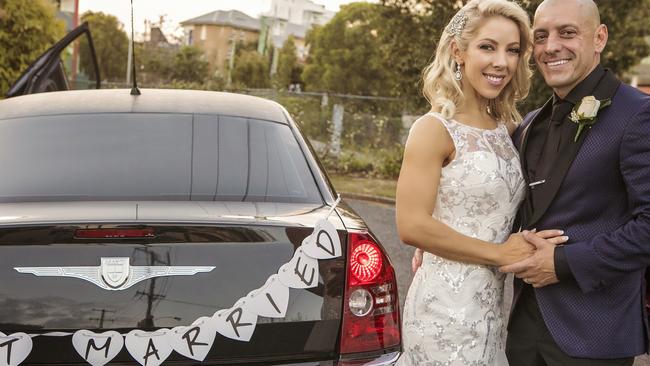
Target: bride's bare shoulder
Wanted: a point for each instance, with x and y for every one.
(428, 133)
(428, 125)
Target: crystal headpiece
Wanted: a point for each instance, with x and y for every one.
(457, 23)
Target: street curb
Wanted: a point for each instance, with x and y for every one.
(368, 197)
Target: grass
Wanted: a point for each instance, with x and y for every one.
(362, 185)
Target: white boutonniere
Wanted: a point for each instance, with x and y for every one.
(584, 113)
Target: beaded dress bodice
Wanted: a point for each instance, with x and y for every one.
(454, 313)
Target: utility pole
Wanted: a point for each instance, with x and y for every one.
(231, 60)
(102, 316)
(75, 47)
(151, 294)
(129, 61)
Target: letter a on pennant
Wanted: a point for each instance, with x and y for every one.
(149, 348)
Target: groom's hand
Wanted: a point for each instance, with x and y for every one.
(539, 269)
(416, 262)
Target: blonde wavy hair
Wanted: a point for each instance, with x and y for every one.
(444, 92)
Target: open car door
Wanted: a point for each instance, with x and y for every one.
(70, 64)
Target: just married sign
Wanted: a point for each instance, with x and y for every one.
(195, 340)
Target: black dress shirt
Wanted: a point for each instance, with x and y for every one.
(546, 139)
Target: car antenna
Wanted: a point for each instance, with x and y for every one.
(134, 89)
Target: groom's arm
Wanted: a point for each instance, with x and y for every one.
(595, 263)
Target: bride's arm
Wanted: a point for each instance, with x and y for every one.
(428, 147)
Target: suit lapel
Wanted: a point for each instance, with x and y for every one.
(523, 140)
(605, 90)
(522, 143)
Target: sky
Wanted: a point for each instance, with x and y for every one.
(176, 11)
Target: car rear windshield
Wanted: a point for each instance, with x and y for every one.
(151, 156)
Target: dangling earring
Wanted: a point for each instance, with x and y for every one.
(458, 75)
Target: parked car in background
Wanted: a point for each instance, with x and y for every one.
(178, 226)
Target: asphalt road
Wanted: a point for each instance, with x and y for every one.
(381, 221)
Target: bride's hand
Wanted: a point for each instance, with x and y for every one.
(555, 237)
(516, 248)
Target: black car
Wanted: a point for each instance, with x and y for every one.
(177, 226)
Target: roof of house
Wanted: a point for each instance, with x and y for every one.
(233, 18)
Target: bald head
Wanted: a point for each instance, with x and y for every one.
(586, 10)
(568, 40)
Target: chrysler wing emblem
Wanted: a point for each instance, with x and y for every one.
(115, 273)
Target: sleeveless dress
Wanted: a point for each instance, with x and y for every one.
(454, 312)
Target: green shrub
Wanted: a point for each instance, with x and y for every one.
(389, 162)
(378, 163)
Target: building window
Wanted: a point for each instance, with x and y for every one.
(204, 32)
(190, 36)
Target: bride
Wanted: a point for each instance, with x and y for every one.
(460, 186)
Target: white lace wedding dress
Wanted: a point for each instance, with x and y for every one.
(454, 313)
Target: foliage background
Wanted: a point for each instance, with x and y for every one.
(111, 45)
(413, 28)
(377, 50)
(27, 29)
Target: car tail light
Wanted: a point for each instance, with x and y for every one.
(371, 319)
(365, 262)
(114, 233)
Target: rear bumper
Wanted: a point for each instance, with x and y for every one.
(381, 360)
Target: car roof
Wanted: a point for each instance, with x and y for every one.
(150, 101)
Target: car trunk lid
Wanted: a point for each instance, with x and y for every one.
(232, 247)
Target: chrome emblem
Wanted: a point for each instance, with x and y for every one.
(115, 273)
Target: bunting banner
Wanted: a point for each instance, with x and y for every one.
(194, 341)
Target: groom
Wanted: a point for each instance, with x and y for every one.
(582, 303)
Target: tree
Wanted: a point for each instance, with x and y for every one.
(251, 70)
(414, 26)
(154, 63)
(27, 29)
(189, 65)
(111, 46)
(347, 55)
(288, 68)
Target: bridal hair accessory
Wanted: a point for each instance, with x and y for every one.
(457, 24)
(457, 74)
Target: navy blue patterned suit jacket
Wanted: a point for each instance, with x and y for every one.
(600, 197)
